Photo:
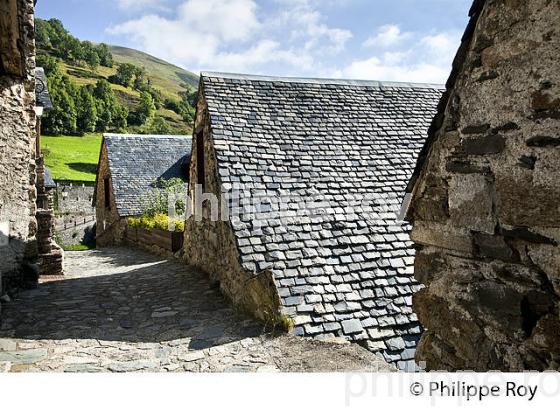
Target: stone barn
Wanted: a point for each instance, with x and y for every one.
(18, 225)
(129, 166)
(342, 269)
(485, 198)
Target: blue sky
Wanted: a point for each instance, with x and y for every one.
(392, 40)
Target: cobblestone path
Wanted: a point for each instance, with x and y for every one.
(123, 310)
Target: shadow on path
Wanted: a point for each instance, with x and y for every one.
(123, 294)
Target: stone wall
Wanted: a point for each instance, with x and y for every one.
(211, 245)
(51, 256)
(161, 243)
(486, 206)
(75, 198)
(75, 213)
(18, 250)
(110, 227)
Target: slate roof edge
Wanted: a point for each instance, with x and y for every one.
(322, 81)
(111, 135)
(42, 96)
(458, 63)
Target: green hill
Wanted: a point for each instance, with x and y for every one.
(165, 76)
(132, 91)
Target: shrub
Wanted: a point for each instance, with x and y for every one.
(158, 221)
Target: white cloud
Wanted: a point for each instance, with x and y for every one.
(231, 35)
(387, 36)
(228, 19)
(427, 60)
(304, 23)
(140, 4)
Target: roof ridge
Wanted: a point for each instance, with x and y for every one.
(112, 135)
(334, 81)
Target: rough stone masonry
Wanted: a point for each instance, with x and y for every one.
(18, 225)
(345, 270)
(485, 201)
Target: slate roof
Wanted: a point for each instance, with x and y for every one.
(340, 273)
(42, 96)
(137, 161)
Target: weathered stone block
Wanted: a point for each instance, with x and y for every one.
(470, 202)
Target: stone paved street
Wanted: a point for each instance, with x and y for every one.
(123, 310)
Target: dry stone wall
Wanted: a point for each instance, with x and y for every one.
(110, 227)
(211, 245)
(18, 225)
(486, 206)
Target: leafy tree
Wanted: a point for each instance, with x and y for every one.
(90, 55)
(120, 116)
(55, 32)
(147, 109)
(86, 110)
(49, 64)
(189, 97)
(103, 91)
(43, 34)
(105, 56)
(160, 126)
(124, 75)
(62, 118)
(188, 114)
(70, 49)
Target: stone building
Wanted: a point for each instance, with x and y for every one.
(129, 166)
(50, 255)
(342, 269)
(485, 197)
(18, 225)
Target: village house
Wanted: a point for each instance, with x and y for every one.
(18, 224)
(129, 167)
(485, 198)
(346, 272)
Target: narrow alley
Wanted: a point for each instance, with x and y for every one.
(124, 310)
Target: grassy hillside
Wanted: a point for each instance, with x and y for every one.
(165, 76)
(72, 158)
(161, 79)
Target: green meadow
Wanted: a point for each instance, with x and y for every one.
(72, 158)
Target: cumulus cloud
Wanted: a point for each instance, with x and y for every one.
(426, 60)
(285, 37)
(303, 22)
(234, 35)
(387, 36)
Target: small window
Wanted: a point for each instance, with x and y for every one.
(200, 161)
(107, 193)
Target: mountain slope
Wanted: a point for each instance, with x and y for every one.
(166, 76)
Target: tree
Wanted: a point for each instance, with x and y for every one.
(105, 56)
(147, 109)
(104, 116)
(43, 34)
(86, 110)
(90, 55)
(62, 118)
(160, 126)
(124, 75)
(103, 91)
(49, 64)
(120, 116)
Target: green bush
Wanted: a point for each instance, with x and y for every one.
(158, 221)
